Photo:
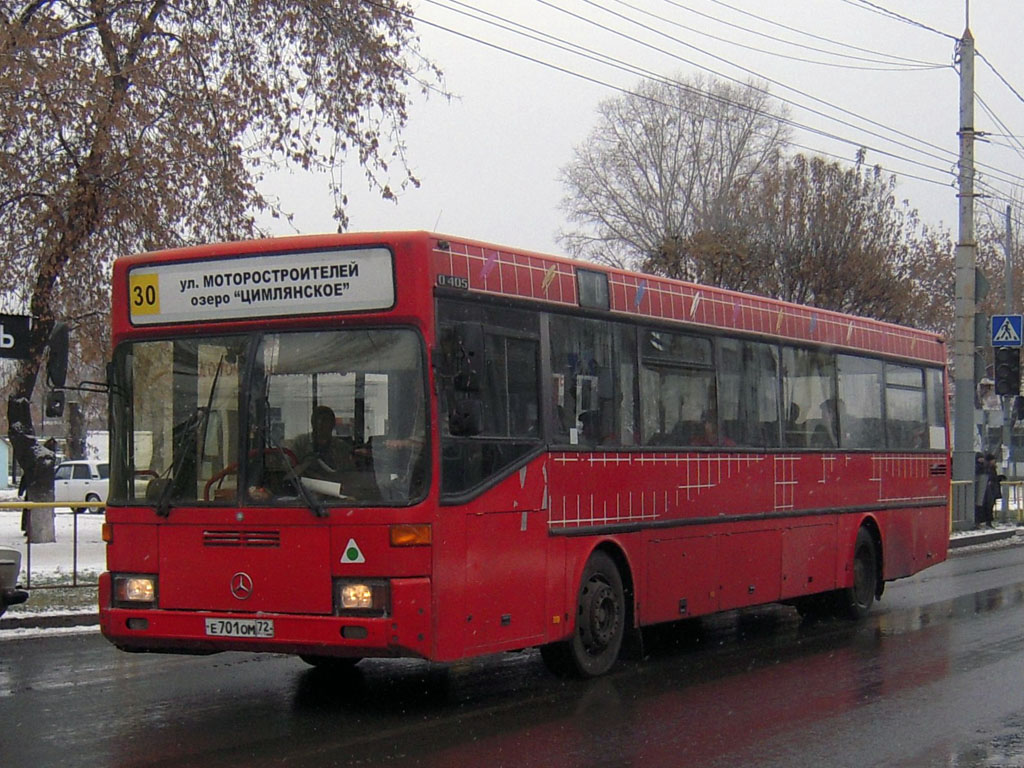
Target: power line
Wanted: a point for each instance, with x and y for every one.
(576, 49)
(898, 63)
(881, 11)
(1016, 144)
(811, 35)
(633, 70)
(946, 156)
(999, 75)
(947, 153)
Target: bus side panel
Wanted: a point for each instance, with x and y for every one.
(448, 583)
(506, 571)
(898, 545)
(750, 567)
(560, 601)
(682, 579)
(932, 536)
(493, 585)
(913, 539)
(808, 558)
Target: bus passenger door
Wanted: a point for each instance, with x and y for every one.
(506, 565)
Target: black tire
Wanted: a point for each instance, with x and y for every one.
(330, 663)
(96, 499)
(856, 601)
(600, 624)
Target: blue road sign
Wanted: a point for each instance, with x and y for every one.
(1007, 330)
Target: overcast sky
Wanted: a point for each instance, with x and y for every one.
(851, 71)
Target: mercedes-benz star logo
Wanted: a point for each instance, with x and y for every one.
(241, 585)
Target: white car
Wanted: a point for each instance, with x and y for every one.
(82, 481)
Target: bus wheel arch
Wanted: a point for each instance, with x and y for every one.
(604, 616)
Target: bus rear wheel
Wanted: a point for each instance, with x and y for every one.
(856, 601)
(600, 623)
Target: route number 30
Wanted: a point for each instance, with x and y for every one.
(144, 293)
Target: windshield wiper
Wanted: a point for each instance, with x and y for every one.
(198, 419)
(317, 508)
(182, 450)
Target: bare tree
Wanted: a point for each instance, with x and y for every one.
(991, 259)
(992, 231)
(823, 233)
(664, 162)
(130, 126)
(834, 236)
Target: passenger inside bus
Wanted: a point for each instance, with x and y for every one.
(709, 434)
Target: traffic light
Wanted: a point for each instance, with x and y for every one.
(1007, 370)
(54, 405)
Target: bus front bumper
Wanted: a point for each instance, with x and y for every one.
(405, 631)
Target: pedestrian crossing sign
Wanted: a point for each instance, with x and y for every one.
(1007, 330)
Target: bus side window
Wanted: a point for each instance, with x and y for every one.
(488, 364)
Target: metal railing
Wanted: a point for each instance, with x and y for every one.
(1012, 508)
(961, 497)
(75, 581)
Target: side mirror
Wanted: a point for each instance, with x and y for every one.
(466, 418)
(470, 357)
(460, 356)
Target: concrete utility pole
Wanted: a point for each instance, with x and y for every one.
(964, 343)
(1008, 401)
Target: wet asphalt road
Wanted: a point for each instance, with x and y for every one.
(934, 678)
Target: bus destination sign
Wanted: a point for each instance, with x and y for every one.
(304, 283)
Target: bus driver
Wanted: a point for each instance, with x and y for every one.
(322, 455)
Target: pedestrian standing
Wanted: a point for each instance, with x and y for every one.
(992, 483)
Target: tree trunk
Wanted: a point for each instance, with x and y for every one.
(38, 463)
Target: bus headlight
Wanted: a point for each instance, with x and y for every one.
(361, 597)
(134, 591)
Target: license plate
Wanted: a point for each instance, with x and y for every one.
(240, 627)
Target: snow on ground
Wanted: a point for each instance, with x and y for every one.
(56, 562)
(27, 633)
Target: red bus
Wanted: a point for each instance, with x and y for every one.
(405, 444)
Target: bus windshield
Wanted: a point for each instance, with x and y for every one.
(285, 419)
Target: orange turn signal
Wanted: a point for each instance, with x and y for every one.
(410, 535)
(107, 533)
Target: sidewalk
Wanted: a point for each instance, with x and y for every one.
(88, 617)
(1001, 531)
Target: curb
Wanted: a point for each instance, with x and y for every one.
(49, 621)
(982, 538)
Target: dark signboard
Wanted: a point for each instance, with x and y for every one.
(14, 331)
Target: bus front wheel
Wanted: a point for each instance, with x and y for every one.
(600, 623)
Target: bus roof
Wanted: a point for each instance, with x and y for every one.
(474, 267)
(508, 272)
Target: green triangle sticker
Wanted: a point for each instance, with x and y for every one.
(352, 553)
